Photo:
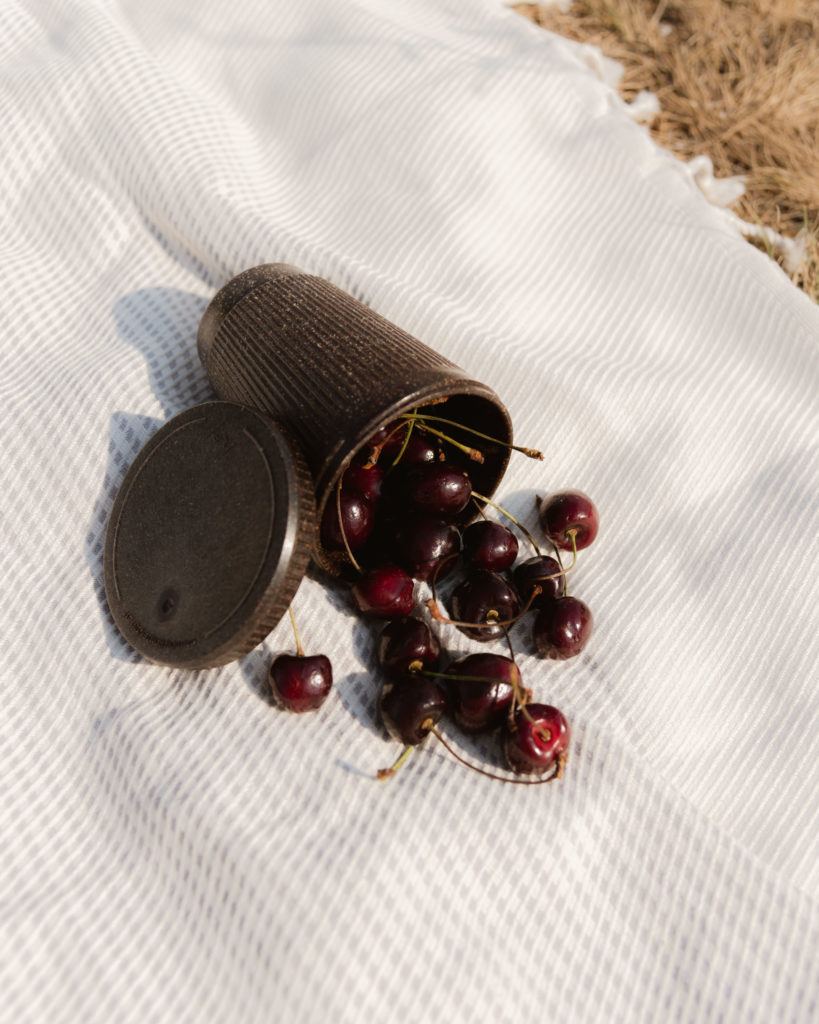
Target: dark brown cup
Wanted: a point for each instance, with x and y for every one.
(333, 371)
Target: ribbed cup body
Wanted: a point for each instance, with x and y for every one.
(333, 371)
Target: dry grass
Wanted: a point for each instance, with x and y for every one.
(737, 80)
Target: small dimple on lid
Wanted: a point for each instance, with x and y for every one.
(209, 536)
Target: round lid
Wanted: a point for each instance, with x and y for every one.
(209, 536)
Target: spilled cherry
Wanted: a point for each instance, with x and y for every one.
(300, 682)
(541, 571)
(482, 687)
(408, 646)
(537, 740)
(484, 599)
(569, 519)
(385, 593)
(562, 628)
(424, 545)
(490, 546)
(410, 708)
(354, 522)
(438, 488)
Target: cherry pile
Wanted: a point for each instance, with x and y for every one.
(396, 518)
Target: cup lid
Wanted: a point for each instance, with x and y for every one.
(209, 537)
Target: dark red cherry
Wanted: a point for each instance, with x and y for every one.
(562, 628)
(567, 511)
(364, 481)
(419, 449)
(482, 687)
(385, 593)
(299, 682)
(531, 573)
(538, 742)
(438, 488)
(484, 597)
(422, 544)
(407, 646)
(411, 707)
(489, 546)
(356, 516)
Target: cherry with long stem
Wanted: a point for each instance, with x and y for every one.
(298, 682)
(558, 772)
(435, 612)
(387, 773)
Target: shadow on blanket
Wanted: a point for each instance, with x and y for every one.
(161, 324)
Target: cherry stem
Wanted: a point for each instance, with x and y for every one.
(509, 645)
(520, 697)
(555, 548)
(375, 452)
(435, 612)
(299, 648)
(465, 679)
(573, 535)
(490, 775)
(387, 773)
(479, 507)
(403, 448)
(347, 548)
(511, 518)
(473, 453)
(563, 572)
(532, 453)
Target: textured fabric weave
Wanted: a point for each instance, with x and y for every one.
(171, 848)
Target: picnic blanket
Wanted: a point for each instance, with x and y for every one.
(174, 849)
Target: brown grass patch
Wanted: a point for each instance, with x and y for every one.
(737, 80)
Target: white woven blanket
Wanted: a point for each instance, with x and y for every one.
(174, 850)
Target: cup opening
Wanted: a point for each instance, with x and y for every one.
(478, 409)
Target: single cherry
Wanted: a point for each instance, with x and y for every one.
(424, 545)
(567, 512)
(438, 488)
(300, 682)
(385, 593)
(411, 708)
(489, 546)
(562, 628)
(407, 646)
(356, 519)
(365, 481)
(532, 573)
(418, 450)
(485, 599)
(538, 740)
(482, 687)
